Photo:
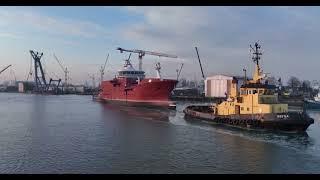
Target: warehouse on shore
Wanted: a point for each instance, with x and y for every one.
(220, 85)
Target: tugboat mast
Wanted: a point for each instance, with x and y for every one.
(256, 57)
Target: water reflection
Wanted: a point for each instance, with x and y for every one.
(73, 134)
(147, 113)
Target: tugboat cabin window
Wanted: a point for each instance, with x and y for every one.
(254, 91)
(242, 108)
(243, 92)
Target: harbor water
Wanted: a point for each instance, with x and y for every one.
(74, 134)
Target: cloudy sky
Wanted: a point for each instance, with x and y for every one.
(81, 37)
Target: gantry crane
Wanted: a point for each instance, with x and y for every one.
(142, 53)
(41, 85)
(102, 69)
(40, 81)
(5, 69)
(64, 69)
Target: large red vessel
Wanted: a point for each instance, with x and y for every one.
(130, 86)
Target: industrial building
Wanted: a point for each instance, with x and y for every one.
(25, 86)
(220, 85)
(74, 89)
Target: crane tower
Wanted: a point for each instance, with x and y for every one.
(40, 80)
(64, 69)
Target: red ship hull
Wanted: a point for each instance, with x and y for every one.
(149, 91)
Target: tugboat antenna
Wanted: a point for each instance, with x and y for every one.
(256, 53)
(256, 57)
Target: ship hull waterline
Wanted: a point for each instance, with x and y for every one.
(312, 105)
(135, 103)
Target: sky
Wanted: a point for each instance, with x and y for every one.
(81, 37)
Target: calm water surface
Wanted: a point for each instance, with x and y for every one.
(73, 134)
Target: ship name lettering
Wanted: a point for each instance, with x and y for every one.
(283, 116)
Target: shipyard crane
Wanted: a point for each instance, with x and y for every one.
(41, 84)
(179, 71)
(102, 69)
(200, 63)
(92, 77)
(64, 69)
(40, 81)
(14, 74)
(5, 68)
(203, 77)
(142, 53)
(30, 70)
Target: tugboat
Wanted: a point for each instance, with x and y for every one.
(256, 106)
(314, 103)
